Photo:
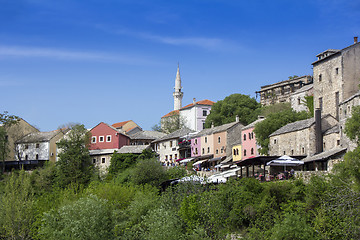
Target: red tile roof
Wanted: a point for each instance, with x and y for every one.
(120, 124)
(202, 102)
(171, 113)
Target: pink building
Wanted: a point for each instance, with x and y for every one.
(196, 147)
(104, 136)
(249, 144)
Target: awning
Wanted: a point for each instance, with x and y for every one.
(227, 159)
(216, 159)
(186, 160)
(200, 162)
(285, 161)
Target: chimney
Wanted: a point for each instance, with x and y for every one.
(212, 124)
(194, 101)
(355, 40)
(237, 118)
(318, 132)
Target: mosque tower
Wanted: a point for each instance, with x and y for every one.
(178, 95)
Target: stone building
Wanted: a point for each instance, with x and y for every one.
(336, 77)
(281, 91)
(300, 138)
(297, 99)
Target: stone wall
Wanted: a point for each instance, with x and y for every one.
(328, 90)
(295, 143)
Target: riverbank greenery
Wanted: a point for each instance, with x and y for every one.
(130, 205)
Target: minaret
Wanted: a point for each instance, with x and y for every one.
(178, 95)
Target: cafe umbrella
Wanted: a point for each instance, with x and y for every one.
(285, 161)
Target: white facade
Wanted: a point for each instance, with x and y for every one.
(195, 116)
(168, 150)
(33, 151)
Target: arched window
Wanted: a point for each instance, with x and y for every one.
(234, 151)
(237, 151)
(252, 151)
(37, 157)
(249, 135)
(244, 137)
(244, 152)
(219, 139)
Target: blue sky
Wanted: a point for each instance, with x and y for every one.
(115, 60)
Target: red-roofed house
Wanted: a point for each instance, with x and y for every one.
(104, 136)
(194, 114)
(129, 127)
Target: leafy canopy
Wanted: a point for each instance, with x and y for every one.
(273, 122)
(225, 111)
(74, 165)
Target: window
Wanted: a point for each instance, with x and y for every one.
(102, 160)
(284, 153)
(234, 151)
(171, 144)
(237, 151)
(170, 157)
(320, 77)
(219, 139)
(175, 156)
(37, 157)
(217, 151)
(94, 161)
(244, 137)
(205, 139)
(101, 139)
(108, 138)
(208, 149)
(244, 152)
(303, 150)
(203, 151)
(299, 101)
(26, 157)
(274, 141)
(292, 152)
(196, 151)
(195, 141)
(203, 125)
(337, 71)
(222, 150)
(204, 113)
(249, 136)
(338, 142)
(324, 146)
(93, 139)
(26, 146)
(252, 151)
(166, 157)
(37, 145)
(252, 135)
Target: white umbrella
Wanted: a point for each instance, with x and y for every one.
(285, 161)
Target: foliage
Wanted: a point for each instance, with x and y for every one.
(148, 171)
(293, 77)
(17, 208)
(273, 122)
(352, 125)
(172, 122)
(121, 161)
(87, 218)
(292, 227)
(74, 164)
(225, 111)
(275, 108)
(176, 172)
(309, 103)
(6, 121)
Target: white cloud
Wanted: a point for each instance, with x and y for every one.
(61, 54)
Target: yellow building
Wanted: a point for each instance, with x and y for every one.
(236, 153)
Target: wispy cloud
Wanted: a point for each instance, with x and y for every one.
(61, 54)
(209, 43)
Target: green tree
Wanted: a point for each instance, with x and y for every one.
(74, 165)
(309, 103)
(87, 218)
(352, 125)
(225, 111)
(273, 122)
(6, 121)
(17, 207)
(148, 171)
(121, 161)
(171, 123)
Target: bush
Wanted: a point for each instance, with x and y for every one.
(88, 218)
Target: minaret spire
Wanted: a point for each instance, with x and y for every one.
(178, 95)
